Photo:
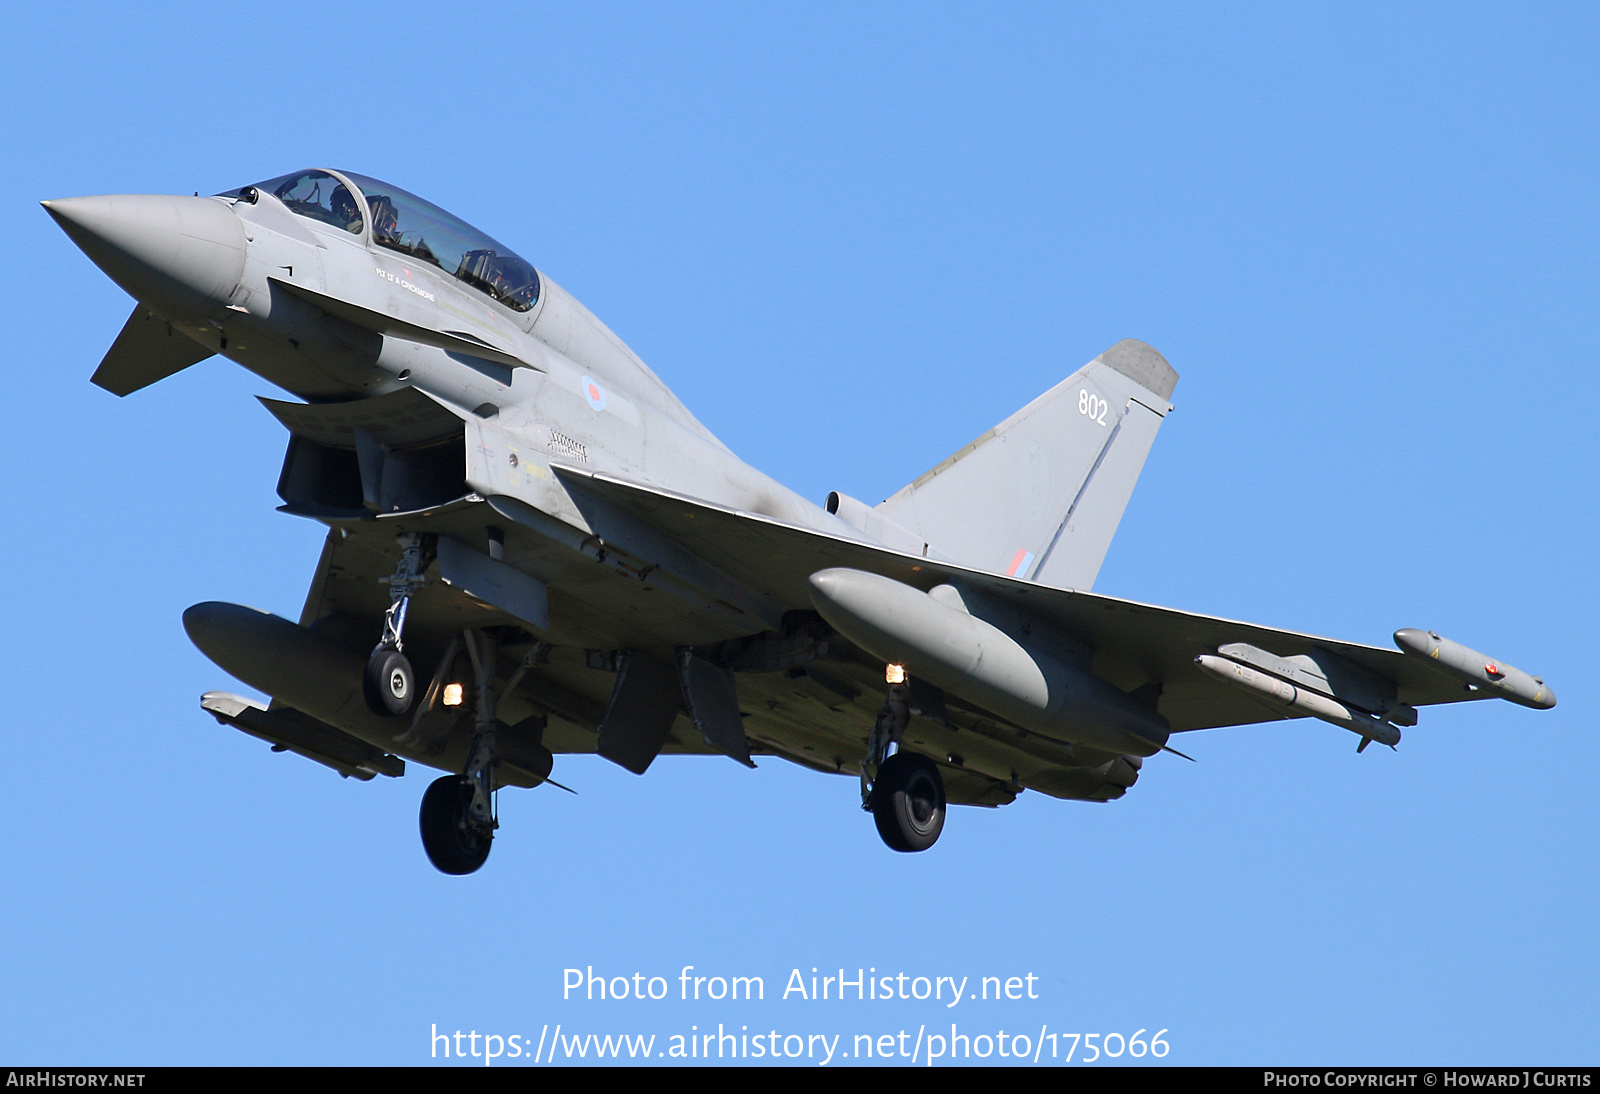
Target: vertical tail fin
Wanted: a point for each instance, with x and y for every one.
(1040, 495)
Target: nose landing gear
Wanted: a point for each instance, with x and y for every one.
(389, 684)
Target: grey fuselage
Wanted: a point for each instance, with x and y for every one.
(578, 392)
(455, 396)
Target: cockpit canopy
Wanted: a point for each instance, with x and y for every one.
(403, 222)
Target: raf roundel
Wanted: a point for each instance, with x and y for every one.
(594, 393)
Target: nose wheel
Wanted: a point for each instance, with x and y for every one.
(908, 802)
(454, 843)
(389, 685)
(389, 682)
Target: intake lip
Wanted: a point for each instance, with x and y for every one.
(177, 255)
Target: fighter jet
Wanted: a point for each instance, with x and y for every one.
(534, 548)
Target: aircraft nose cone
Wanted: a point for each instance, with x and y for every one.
(180, 255)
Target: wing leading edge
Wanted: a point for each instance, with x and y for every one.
(1133, 645)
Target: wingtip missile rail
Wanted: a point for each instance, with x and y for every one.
(1475, 669)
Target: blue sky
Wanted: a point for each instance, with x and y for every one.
(851, 238)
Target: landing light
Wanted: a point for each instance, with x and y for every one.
(894, 674)
(452, 695)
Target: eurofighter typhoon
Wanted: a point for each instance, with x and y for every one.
(534, 548)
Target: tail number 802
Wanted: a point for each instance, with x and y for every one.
(1093, 406)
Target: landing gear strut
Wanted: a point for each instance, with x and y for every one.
(389, 683)
(458, 820)
(906, 796)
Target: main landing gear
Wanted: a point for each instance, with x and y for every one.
(908, 802)
(906, 797)
(454, 844)
(457, 818)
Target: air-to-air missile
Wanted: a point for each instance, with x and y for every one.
(1326, 686)
(1312, 694)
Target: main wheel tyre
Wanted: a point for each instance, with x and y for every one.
(448, 837)
(389, 684)
(908, 802)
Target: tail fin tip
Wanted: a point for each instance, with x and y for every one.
(1141, 363)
